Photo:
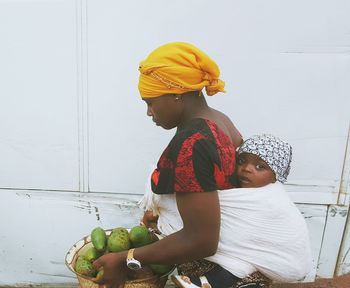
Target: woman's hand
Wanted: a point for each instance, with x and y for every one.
(114, 269)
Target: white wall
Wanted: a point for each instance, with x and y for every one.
(76, 145)
(38, 92)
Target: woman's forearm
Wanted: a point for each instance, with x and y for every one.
(176, 248)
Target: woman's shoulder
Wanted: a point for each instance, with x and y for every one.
(225, 124)
(201, 128)
(207, 130)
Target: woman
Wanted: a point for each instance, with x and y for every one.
(199, 161)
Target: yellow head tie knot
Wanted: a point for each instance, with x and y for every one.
(176, 68)
(144, 70)
(215, 86)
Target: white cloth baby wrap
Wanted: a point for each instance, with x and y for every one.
(261, 229)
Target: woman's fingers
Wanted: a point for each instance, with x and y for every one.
(114, 270)
(97, 264)
(99, 279)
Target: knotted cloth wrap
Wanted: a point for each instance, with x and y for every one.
(176, 68)
(261, 229)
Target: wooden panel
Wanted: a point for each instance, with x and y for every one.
(38, 228)
(62, 218)
(315, 216)
(332, 239)
(39, 104)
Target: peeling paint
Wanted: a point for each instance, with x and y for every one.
(333, 211)
(343, 213)
(56, 275)
(345, 255)
(57, 263)
(97, 213)
(83, 200)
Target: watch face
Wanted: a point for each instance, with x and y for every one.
(134, 265)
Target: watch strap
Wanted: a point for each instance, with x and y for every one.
(130, 255)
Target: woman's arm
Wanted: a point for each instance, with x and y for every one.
(199, 238)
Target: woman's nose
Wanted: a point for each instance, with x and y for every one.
(149, 112)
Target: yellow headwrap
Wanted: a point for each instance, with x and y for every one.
(176, 68)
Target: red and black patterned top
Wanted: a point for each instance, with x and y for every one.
(200, 158)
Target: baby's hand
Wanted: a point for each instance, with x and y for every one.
(150, 221)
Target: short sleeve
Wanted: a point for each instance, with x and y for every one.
(195, 167)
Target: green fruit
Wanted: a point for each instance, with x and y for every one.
(140, 236)
(99, 274)
(160, 269)
(99, 239)
(84, 267)
(121, 231)
(118, 240)
(92, 254)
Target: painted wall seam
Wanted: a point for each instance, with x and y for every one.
(82, 95)
(343, 261)
(344, 187)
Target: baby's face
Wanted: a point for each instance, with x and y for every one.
(253, 172)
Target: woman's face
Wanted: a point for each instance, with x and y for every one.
(165, 110)
(253, 172)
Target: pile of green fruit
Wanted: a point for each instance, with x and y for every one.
(120, 239)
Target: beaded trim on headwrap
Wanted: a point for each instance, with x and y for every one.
(167, 82)
(274, 151)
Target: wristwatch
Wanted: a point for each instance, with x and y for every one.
(131, 262)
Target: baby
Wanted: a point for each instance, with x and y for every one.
(261, 160)
(261, 228)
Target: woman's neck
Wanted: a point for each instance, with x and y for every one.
(195, 106)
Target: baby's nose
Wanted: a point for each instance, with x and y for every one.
(248, 167)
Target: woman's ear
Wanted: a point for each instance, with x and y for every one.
(177, 97)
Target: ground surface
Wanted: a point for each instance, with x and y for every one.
(337, 282)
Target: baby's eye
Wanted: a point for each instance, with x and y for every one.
(260, 167)
(240, 161)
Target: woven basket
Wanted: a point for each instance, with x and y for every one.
(85, 243)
